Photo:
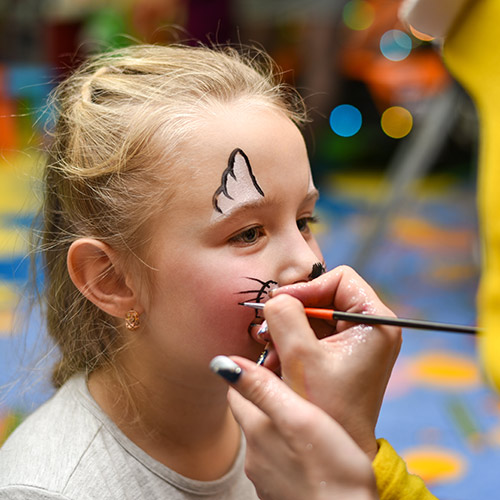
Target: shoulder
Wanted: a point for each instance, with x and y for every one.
(45, 449)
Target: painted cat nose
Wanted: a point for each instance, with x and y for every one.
(318, 269)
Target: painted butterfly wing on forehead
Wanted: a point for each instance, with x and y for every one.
(238, 184)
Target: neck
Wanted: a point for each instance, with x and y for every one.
(186, 426)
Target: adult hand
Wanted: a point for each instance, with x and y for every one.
(294, 449)
(341, 367)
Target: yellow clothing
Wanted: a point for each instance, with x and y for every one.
(472, 55)
(394, 482)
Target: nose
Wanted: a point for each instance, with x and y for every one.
(301, 260)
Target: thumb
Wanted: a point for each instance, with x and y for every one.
(258, 386)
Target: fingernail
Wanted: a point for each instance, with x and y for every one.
(263, 329)
(263, 354)
(226, 368)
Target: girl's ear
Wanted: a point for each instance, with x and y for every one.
(94, 270)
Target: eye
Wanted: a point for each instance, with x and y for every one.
(304, 223)
(248, 236)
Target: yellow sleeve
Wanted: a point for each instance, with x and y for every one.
(471, 53)
(394, 482)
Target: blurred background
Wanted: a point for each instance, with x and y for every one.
(393, 147)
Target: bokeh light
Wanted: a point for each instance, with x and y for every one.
(396, 122)
(345, 120)
(396, 45)
(420, 35)
(358, 14)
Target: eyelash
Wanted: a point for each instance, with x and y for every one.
(303, 224)
(308, 221)
(240, 237)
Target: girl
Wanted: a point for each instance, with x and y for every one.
(177, 187)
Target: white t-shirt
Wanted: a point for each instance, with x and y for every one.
(70, 449)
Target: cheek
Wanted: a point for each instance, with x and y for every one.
(221, 299)
(224, 309)
(207, 300)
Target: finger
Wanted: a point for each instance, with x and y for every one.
(356, 295)
(260, 387)
(295, 341)
(288, 415)
(316, 293)
(342, 288)
(288, 325)
(290, 329)
(244, 411)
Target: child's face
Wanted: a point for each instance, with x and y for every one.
(236, 228)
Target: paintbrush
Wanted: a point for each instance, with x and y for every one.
(370, 319)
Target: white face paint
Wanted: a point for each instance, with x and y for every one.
(238, 185)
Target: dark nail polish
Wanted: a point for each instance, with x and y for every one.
(226, 368)
(263, 356)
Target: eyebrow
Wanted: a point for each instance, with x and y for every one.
(238, 211)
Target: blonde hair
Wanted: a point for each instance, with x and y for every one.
(105, 176)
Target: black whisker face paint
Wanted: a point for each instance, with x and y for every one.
(259, 293)
(317, 270)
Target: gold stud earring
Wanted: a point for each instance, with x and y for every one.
(132, 320)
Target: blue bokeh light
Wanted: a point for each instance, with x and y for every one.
(396, 45)
(345, 120)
